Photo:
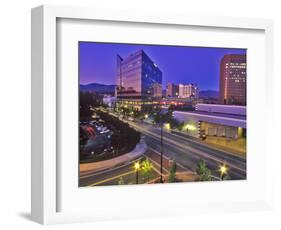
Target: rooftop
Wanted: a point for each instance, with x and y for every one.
(215, 115)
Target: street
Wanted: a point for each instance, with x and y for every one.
(188, 152)
(185, 151)
(112, 176)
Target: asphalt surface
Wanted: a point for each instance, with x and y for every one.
(112, 176)
(188, 152)
(107, 177)
(185, 151)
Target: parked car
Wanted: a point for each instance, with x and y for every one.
(131, 119)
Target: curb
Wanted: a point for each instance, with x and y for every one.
(139, 150)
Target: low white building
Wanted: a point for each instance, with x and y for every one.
(109, 100)
(214, 120)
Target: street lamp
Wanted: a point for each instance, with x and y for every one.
(168, 126)
(223, 171)
(161, 169)
(189, 127)
(137, 167)
(146, 116)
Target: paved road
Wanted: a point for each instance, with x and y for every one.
(185, 151)
(107, 177)
(112, 176)
(188, 152)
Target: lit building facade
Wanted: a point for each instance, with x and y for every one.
(233, 70)
(188, 91)
(157, 90)
(228, 121)
(139, 81)
(172, 90)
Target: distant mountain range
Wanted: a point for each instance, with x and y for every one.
(101, 88)
(98, 88)
(209, 94)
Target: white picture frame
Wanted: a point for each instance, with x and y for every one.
(46, 182)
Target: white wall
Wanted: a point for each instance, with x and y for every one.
(230, 109)
(15, 111)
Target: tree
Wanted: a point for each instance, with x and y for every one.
(160, 117)
(82, 137)
(180, 126)
(146, 169)
(121, 181)
(172, 173)
(86, 101)
(203, 171)
(124, 136)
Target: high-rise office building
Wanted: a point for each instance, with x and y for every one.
(139, 81)
(172, 90)
(233, 69)
(188, 91)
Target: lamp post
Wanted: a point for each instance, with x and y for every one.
(161, 162)
(137, 166)
(162, 113)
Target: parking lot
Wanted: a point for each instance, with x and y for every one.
(98, 138)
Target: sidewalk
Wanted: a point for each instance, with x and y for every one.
(139, 150)
(233, 147)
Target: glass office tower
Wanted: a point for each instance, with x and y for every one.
(137, 78)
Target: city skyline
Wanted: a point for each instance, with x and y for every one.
(132, 133)
(185, 65)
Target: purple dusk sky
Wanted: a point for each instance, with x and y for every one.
(179, 64)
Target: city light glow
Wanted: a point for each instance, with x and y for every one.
(189, 127)
(137, 165)
(134, 115)
(223, 169)
(167, 126)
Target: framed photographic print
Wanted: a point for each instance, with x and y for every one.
(133, 109)
(180, 120)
